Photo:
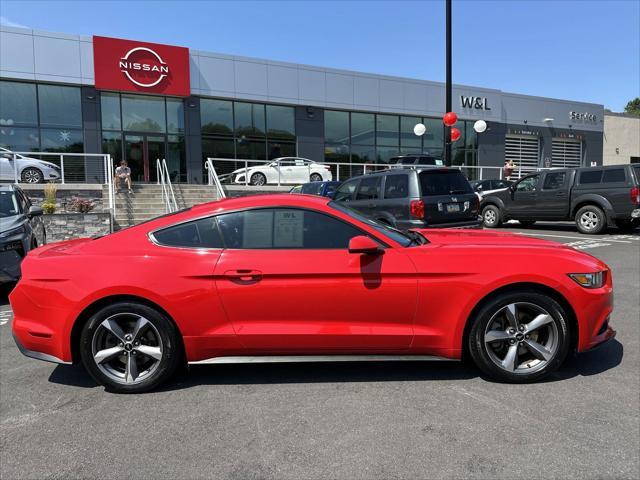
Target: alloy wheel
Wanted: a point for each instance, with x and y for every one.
(589, 220)
(521, 338)
(490, 217)
(127, 348)
(31, 175)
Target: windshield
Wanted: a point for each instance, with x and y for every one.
(405, 239)
(8, 204)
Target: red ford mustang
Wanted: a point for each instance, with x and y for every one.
(299, 278)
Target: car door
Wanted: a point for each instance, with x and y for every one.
(6, 166)
(289, 284)
(523, 197)
(367, 195)
(552, 201)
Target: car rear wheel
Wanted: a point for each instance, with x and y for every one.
(315, 177)
(491, 216)
(519, 337)
(590, 220)
(32, 175)
(258, 179)
(130, 347)
(527, 223)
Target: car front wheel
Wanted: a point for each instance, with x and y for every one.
(491, 216)
(32, 175)
(519, 337)
(130, 347)
(258, 179)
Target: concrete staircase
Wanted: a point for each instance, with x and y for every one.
(146, 201)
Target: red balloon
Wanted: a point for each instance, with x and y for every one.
(449, 119)
(455, 134)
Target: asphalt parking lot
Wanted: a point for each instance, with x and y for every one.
(343, 421)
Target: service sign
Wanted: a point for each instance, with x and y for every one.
(142, 67)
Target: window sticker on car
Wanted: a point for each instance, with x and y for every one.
(439, 162)
(289, 229)
(257, 228)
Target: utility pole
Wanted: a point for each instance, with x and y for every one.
(447, 130)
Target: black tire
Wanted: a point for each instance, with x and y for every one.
(491, 216)
(31, 175)
(590, 220)
(484, 354)
(258, 179)
(527, 223)
(628, 226)
(171, 348)
(315, 177)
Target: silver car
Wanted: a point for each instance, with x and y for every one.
(29, 170)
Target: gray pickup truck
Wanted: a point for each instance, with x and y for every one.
(594, 198)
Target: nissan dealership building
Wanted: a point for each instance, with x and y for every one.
(142, 101)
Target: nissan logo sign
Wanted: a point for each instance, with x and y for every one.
(144, 67)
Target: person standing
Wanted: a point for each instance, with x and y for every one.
(508, 169)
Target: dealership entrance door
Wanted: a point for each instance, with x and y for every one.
(141, 152)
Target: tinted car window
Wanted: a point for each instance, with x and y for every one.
(554, 181)
(280, 228)
(396, 186)
(590, 176)
(637, 170)
(331, 188)
(369, 188)
(614, 175)
(529, 184)
(312, 188)
(443, 182)
(500, 184)
(345, 191)
(202, 233)
(8, 204)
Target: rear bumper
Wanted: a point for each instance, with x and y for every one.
(37, 355)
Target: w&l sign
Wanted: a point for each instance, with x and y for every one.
(478, 103)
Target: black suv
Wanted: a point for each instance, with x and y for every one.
(407, 198)
(593, 197)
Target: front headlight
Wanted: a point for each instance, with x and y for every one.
(12, 232)
(589, 280)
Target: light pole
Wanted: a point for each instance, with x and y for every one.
(447, 129)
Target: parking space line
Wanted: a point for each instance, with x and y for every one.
(573, 238)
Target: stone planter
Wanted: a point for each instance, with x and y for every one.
(67, 226)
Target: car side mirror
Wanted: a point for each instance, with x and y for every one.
(365, 245)
(35, 211)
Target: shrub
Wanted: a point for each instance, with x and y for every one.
(49, 204)
(81, 205)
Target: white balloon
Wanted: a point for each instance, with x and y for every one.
(480, 126)
(419, 129)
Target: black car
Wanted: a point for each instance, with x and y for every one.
(418, 159)
(593, 197)
(323, 189)
(21, 230)
(413, 198)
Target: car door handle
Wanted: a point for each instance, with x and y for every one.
(244, 275)
(561, 194)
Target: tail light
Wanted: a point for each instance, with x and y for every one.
(417, 208)
(634, 193)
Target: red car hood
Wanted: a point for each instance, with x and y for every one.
(453, 236)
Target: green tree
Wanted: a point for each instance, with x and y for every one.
(633, 107)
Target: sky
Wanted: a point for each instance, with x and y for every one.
(584, 50)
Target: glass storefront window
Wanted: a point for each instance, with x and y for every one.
(216, 116)
(407, 137)
(433, 139)
(363, 129)
(19, 139)
(384, 154)
(176, 160)
(363, 154)
(471, 137)
(336, 127)
(143, 114)
(251, 149)
(18, 104)
(59, 106)
(249, 119)
(281, 122)
(110, 111)
(281, 149)
(61, 140)
(388, 130)
(175, 116)
(112, 144)
(336, 153)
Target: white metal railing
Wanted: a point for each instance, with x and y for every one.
(213, 179)
(339, 171)
(168, 197)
